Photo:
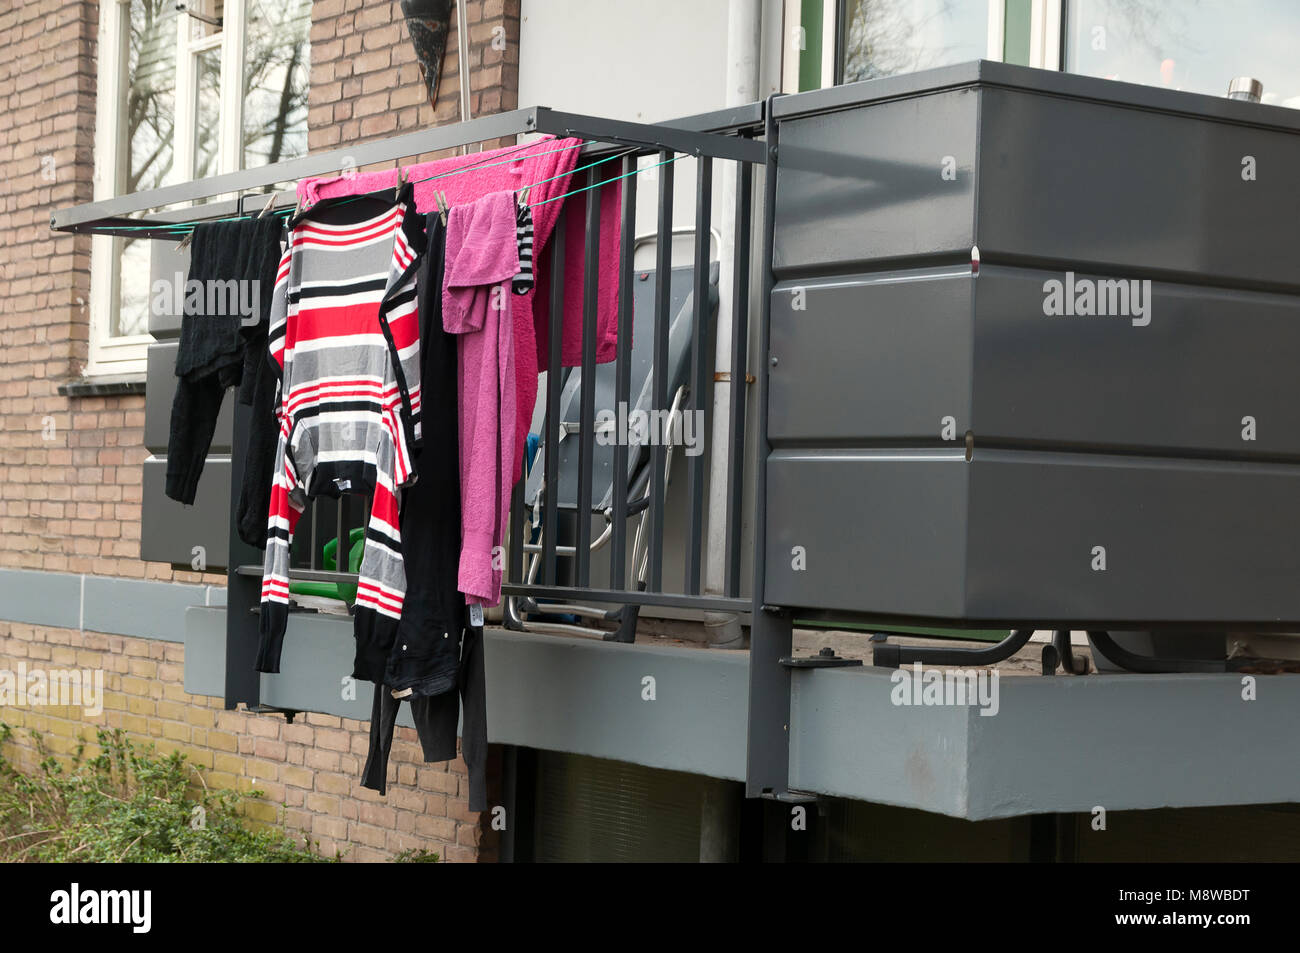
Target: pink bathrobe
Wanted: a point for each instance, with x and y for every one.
(482, 258)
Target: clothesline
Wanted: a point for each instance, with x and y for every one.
(180, 229)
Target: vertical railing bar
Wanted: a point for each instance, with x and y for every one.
(623, 372)
(313, 558)
(700, 364)
(551, 437)
(586, 429)
(739, 379)
(663, 303)
(514, 568)
(341, 531)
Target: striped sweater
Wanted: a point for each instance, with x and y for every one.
(344, 337)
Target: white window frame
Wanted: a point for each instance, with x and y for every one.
(792, 56)
(1046, 34)
(128, 354)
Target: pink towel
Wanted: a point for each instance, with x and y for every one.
(482, 257)
(510, 169)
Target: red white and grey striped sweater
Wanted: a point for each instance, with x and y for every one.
(344, 336)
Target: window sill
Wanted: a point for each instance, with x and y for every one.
(105, 385)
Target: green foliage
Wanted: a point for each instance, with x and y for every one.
(128, 804)
(416, 855)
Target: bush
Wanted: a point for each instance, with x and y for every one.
(129, 805)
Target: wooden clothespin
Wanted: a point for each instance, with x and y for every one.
(266, 209)
(523, 196)
(184, 243)
(401, 181)
(443, 205)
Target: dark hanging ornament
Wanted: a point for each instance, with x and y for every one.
(428, 22)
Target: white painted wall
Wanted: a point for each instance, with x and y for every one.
(624, 59)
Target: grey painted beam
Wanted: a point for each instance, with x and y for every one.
(586, 697)
(1122, 742)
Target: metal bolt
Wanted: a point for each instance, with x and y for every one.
(774, 361)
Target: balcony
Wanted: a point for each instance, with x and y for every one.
(898, 443)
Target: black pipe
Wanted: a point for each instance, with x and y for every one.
(892, 656)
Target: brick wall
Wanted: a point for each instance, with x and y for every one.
(310, 770)
(365, 83)
(70, 467)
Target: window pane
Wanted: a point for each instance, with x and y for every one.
(148, 121)
(886, 37)
(276, 67)
(1196, 45)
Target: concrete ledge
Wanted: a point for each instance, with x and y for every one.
(1061, 744)
(140, 608)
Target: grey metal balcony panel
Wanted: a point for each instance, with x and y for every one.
(170, 531)
(160, 389)
(1141, 190)
(868, 185)
(1041, 170)
(881, 531)
(1009, 537)
(1185, 541)
(872, 357)
(886, 357)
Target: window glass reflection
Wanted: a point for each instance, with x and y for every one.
(1194, 45)
(887, 37)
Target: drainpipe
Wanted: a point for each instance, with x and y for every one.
(744, 35)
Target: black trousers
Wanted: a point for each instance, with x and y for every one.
(435, 719)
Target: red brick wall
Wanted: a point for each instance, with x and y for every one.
(69, 468)
(365, 83)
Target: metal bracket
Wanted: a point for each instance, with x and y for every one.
(826, 658)
(289, 713)
(217, 22)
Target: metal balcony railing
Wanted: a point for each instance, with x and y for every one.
(552, 553)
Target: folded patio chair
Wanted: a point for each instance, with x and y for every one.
(523, 613)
